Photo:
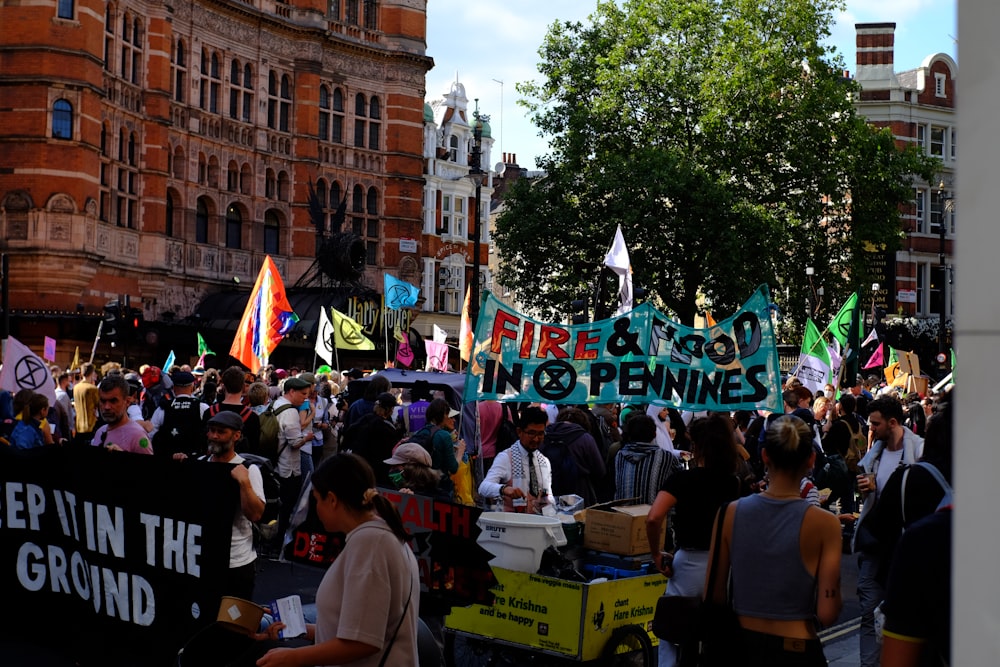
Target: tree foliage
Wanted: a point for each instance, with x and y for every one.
(721, 136)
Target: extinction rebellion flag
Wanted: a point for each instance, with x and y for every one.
(638, 357)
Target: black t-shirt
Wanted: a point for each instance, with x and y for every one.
(918, 595)
(699, 493)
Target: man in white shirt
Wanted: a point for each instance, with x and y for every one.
(290, 440)
(223, 432)
(520, 475)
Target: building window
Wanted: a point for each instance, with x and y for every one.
(131, 49)
(452, 216)
(179, 64)
(937, 141)
(284, 187)
(360, 111)
(109, 37)
(453, 149)
(324, 114)
(952, 138)
(233, 176)
(240, 91)
(272, 100)
(234, 227)
(62, 120)
(272, 233)
(371, 14)
(201, 222)
(246, 179)
(352, 12)
(371, 253)
(334, 10)
(920, 210)
(451, 284)
(215, 85)
(169, 226)
(179, 164)
(64, 9)
(941, 210)
(285, 111)
(337, 119)
(922, 137)
(127, 183)
(939, 81)
(933, 289)
(270, 184)
(374, 128)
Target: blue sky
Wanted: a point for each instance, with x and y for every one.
(486, 43)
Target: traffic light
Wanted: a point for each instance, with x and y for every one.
(135, 320)
(579, 305)
(112, 328)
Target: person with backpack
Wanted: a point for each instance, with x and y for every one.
(178, 429)
(438, 438)
(224, 430)
(373, 437)
(234, 380)
(290, 438)
(577, 464)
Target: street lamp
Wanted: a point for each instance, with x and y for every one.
(812, 291)
(477, 176)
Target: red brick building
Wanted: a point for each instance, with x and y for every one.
(919, 106)
(160, 149)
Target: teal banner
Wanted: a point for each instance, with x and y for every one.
(638, 357)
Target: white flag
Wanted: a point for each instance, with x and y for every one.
(324, 337)
(23, 369)
(440, 335)
(618, 261)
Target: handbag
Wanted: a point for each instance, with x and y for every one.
(675, 618)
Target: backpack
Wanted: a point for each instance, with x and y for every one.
(272, 486)
(270, 429)
(506, 431)
(182, 430)
(425, 438)
(566, 475)
(855, 450)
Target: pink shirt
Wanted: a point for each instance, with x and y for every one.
(129, 436)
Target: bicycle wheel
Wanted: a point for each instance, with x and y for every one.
(629, 646)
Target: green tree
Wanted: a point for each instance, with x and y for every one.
(718, 133)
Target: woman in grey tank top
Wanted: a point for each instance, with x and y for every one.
(785, 557)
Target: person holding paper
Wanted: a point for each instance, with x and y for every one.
(367, 603)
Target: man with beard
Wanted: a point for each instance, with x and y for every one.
(224, 431)
(119, 433)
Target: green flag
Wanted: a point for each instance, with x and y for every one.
(846, 328)
(203, 347)
(814, 362)
(840, 326)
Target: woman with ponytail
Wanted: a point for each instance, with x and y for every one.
(367, 603)
(784, 555)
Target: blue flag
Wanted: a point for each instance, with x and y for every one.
(399, 294)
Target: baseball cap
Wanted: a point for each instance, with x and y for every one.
(409, 452)
(182, 378)
(296, 383)
(227, 419)
(308, 377)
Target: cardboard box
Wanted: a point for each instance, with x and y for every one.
(616, 528)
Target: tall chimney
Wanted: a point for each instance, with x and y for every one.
(875, 44)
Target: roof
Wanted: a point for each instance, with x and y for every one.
(452, 384)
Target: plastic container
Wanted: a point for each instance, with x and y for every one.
(518, 540)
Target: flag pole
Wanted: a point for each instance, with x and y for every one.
(93, 350)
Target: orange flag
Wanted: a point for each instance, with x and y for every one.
(465, 333)
(266, 320)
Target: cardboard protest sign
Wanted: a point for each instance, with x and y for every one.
(639, 357)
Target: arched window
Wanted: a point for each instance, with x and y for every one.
(104, 140)
(131, 149)
(372, 201)
(202, 169)
(272, 100)
(201, 222)
(360, 110)
(337, 119)
(171, 213)
(270, 184)
(284, 186)
(247, 92)
(234, 227)
(215, 86)
(179, 164)
(272, 233)
(62, 120)
(232, 176)
(324, 113)
(374, 128)
(335, 196)
(358, 200)
(285, 110)
(246, 179)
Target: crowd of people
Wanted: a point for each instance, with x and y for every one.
(835, 473)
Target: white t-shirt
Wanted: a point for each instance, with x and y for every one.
(241, 548)
(886, 466)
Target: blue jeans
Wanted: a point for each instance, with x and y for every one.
(688, 579)
(870, 594)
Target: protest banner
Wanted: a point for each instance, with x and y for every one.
(639, 357)
(117, 558)
(454, 569)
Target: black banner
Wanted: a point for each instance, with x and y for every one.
(454, 569)
(110, 558)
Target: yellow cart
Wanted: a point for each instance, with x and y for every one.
(534, 619)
